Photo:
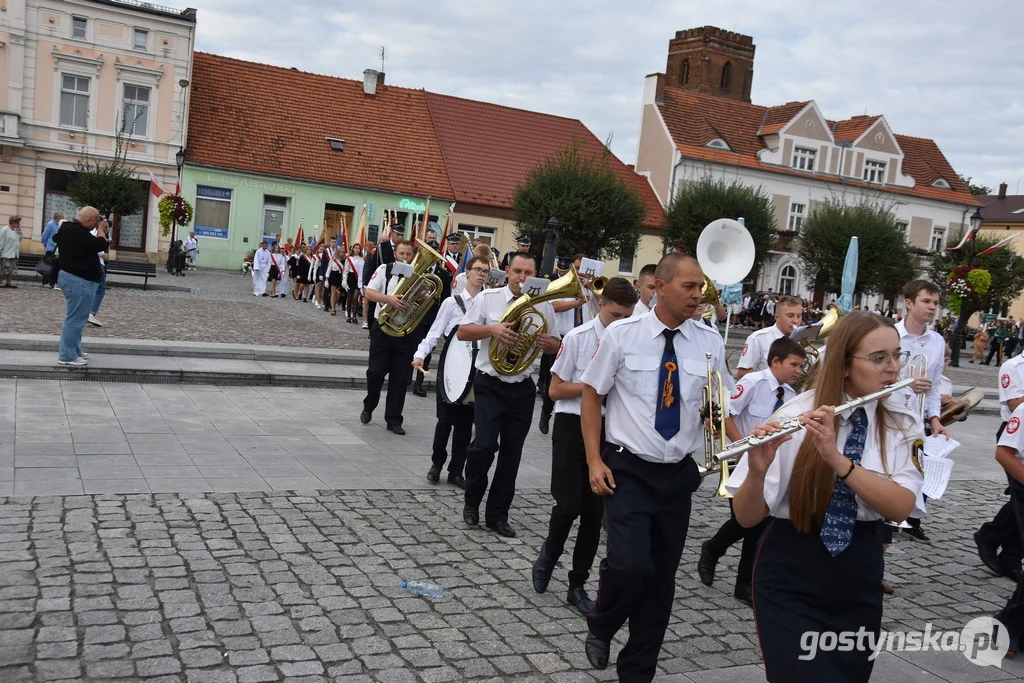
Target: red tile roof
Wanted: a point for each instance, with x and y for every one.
(694, 119)
(268, 119)
(488, 150)
(402, 140)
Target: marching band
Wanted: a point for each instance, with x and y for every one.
(626, 372)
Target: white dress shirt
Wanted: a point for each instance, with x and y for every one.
(934, 346)
(1013, 435)
(335, 266)
(627, 368)
(639, 309)
(567, 319)
(378, 284)
(487, 309)
(901, 430)
(1011, 384)
(755, 349)
(754, 400)
(573, 357)
(282, 265)
(459, 284)
(353, 264)
(449, 315)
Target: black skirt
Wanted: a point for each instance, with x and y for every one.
(334, 279)
(799, 588)
(275, 274)
(353, 282)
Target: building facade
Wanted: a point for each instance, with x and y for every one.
(1003, 215)
(75, 73)
(796, 154)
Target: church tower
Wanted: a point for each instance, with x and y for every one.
(711, 61)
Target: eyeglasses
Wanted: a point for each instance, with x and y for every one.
(882, 359)
(481, 271)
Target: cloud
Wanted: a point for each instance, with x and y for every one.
(941, 69)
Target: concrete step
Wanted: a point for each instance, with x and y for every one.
(180, 349)
(118, 367)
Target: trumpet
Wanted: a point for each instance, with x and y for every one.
(918, 370)
(738, 448)
(714, 389)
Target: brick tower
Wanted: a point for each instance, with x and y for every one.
(712, 61)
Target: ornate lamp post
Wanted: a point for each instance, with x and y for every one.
(961, 323)
(550, 247)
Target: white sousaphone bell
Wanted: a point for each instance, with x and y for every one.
(725, 251)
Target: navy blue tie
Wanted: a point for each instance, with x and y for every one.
(780, 398)
(666, 417)
(837, 527)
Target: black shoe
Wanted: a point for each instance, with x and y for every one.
(545, 421)
(706, 565)
(597, 651)
(470, 516)
(579, 599)
(502, 529)
(988, 555)
(1013, 575)
(396, 429)
(457, 480)
(434, 474)
(543, 567)
(916, 534)
(364, 417)
(744, 595)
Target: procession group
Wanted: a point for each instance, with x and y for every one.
(625, 371)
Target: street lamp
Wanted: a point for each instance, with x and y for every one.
(550, 247)
(959, 328)
(179, 158)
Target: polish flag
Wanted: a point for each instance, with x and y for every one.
(155, 186)
(999, 245)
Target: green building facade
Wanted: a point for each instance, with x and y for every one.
(235, 211)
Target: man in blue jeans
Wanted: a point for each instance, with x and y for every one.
(79, 278)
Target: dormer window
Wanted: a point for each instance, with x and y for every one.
(803, 159)
(337, 144)
(719, 143)
(874, 171)
(941, 183)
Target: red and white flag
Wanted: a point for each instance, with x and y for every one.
(969, 235)
(155, 186)
(1000, 244)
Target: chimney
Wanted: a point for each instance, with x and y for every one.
(1002, 190)
(370, 82)
(380, 78)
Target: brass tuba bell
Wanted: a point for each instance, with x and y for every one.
(807, 336)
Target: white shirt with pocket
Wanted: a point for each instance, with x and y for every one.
(487, 308)
(754, 400)
(578, 348)
(755, 349)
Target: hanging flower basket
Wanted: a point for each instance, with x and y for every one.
(174, 210)
(966, 281)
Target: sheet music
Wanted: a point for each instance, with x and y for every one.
(936, 476)
(939, 446)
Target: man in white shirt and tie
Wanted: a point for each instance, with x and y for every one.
(652, 370)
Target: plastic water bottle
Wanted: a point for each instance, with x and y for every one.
(425, 588)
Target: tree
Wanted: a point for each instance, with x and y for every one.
(975, 189)
(884, 262)
(707, 199)
(599, 214)
(1005, 268)
(110, 187)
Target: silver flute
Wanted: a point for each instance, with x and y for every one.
(792, 426)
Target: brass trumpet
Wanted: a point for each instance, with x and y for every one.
(715, 414)
(918, 370)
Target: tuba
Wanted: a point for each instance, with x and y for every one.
(419, 291)
(807, 336)
(529, 324)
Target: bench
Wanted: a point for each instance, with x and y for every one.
(115, 267)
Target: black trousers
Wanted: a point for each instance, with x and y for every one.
(544, 381)
(1002, 532)
(570, 487)
(389, 357)
(646, 519)
(52, 279)
(731, 532)
(1012, 615)
(452, 417)
(800, 587)
(504, 412)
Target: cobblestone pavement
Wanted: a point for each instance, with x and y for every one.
(219, 307)
(305, 584)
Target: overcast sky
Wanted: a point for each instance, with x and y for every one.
(944, 69)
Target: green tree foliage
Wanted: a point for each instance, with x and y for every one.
(109, 186)
(598, 214)
(975, 189)
(706, 199)
(1005, 267)
(884, 263)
